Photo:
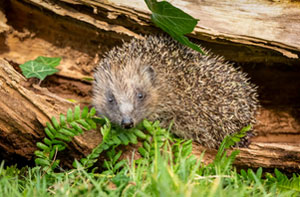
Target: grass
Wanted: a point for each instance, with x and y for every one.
(167, 167)
(168, 170)
(145, 179)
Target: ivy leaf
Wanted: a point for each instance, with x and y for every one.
(49, 61)
(173, 21)
(37, 69)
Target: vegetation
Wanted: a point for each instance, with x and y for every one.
(41, 67)
(166, 167)
(174, 21)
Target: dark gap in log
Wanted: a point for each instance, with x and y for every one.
(62, 32)
(246, 54)
(15, 159)
(69, 89)
(101, 14)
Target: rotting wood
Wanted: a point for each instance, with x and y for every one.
(25, 111)
(267, 155)
(271, 25)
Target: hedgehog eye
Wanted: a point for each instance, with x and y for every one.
(140, 96)
(111, 99)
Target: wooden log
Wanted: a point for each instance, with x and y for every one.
(259, 23)
(24, 113)
(266, 155)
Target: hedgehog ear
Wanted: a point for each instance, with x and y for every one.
(151, 73)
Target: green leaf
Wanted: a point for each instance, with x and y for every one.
(92, 124)
(76, 112)
(143, 152)
(92, 112)
(119, 165)
(105, 129)
(66, 132)
(84, 124)
(111, 153)
(116, 140)
(84, 112)
(259, 172)
(59, 147)
(76, 127)
(62, 120)
(278, 174)
(120, 179)
(49, 133)
(146, 145)
(246, 129)
(148, 126)
(72, 130)
(47, 141)
(77, 164)
(87, 78)
(55, 123)
(57, 142)
(123, 139)
(139, 133)
(39, 153)
(106, 164)
(62, 137)
(37, 69)
(72, 100)
(55, 164)
(83, 160)
(132, 138)
(42, 162)
(117, 156)
(51, 155)
(49, 61)
(244, 174)
(98, 120)
(69, 115)
(173, 21)
(50, 127)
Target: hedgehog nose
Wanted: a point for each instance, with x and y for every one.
(127, 123)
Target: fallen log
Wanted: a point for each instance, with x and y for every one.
(24, 113)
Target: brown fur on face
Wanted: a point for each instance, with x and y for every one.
(126, 90)
(206, 97)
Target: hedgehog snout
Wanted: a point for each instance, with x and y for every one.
(127, 123)
(126, 110)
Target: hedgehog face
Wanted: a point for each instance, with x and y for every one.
(126, 94)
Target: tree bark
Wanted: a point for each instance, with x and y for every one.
(82, 31)
(25, 109)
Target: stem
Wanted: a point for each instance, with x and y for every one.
(39, 84)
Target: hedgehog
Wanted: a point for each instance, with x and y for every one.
(157, 78)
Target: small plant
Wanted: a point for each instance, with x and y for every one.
(173, 21)
(58, 134)
(41, 67)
